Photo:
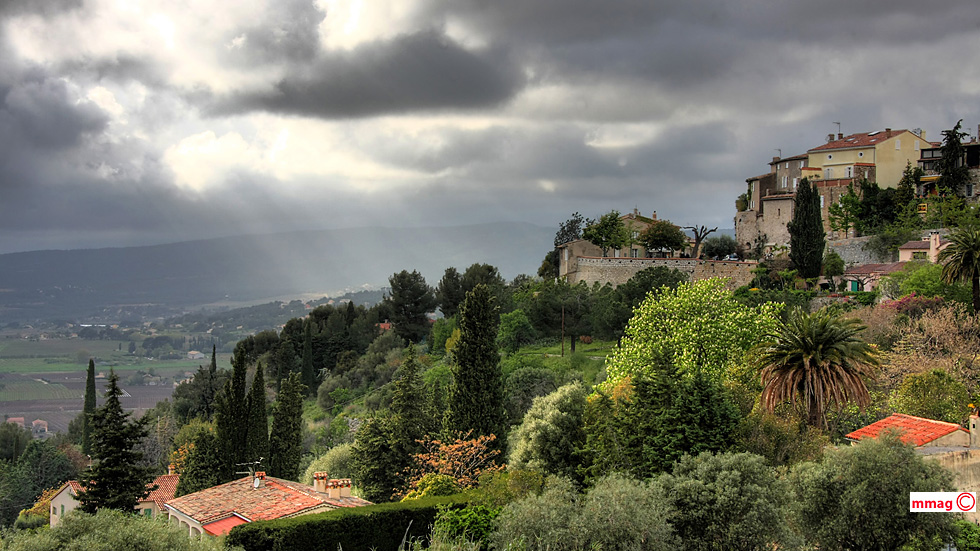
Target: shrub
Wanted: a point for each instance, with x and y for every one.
(337, 462)
(383, 526)
(473, 524)
(617, 513)
(552, 433)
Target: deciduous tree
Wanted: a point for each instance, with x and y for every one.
(608, 232)
(663, 235)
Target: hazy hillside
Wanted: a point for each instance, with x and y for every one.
(161, 279)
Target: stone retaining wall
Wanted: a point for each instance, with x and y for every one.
(619, 270)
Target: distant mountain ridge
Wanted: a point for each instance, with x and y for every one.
(137, 281)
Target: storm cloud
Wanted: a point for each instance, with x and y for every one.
(150, 122)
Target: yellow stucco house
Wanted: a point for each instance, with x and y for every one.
(886, 151)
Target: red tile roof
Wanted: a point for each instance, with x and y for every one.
(917, 430)
(860, 140)
(223, 526)
(921, 244)
(166, 487)
(275, 498)
(875, 268)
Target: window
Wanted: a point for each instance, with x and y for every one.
(566, 254)
(918, 255)
(830, 156)
(783, 182)
(969, 190)
(898, 143)
(850, 171)
(915, 145)
(828, 173)
(796, 182)
(148, 512)
(821, 201)
(634, 253)
(54, 510)
(636, 234)
(62, 509)
(617, 253)
(786, 166)
(860, 153)
(801, 164)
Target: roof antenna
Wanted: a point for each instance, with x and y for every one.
(250, 471)
(780, 151)
(838, 126)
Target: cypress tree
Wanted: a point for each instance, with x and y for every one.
(476, 393)
(376, 460)
(88, 408)
(203, 466)
(231, 418)
(308, 375)
(286, 442)
(806, 235)
(257, 441)
(115, 480)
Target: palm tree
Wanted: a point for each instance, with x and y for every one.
(961, 259)
(815, 358)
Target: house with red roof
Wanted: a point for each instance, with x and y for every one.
(66, 500)
(926, 250)
(216, 510)
(918, 431)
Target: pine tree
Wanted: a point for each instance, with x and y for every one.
(115, 480)
(257, 440)
(89, 408)
(806, 235)
(476, 393)
(203, 466)
(286, 442)
(308, 374)
(953, 172)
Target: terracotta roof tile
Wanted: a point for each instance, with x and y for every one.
(222, 526)
(921, 244)
(166, 487)
(916, 430)
(862, 269)
(864, 139)
(275, 498)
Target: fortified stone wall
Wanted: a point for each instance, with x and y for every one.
(851, 250)
(965, 465)
(619, 270)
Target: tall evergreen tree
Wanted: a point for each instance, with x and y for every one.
(88, 408)
(286, 442)
(309, 377)
(116, 480)
(449, 292)
(231, 417)
(257, 440)
(410, 301)
(806, 235)
(210, 388)
(476, 393)
(202, 467)
(376, 460)
(953, 172)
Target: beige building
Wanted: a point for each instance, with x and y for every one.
(66, 500)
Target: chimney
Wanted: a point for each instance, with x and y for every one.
(654, 217)
(974, 431)
(774, 160)
(320, 482)
(830, 138)
(934, 247)
(840, 135)
(259, 479)
(888, 133)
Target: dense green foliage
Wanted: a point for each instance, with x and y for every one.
(806, 235)
(378, 462)
(13, 441)
(961, 260)
(616, 513)
(856, 497)
(203, 466)
(662, 235)
(384, 526)
(338, 462)
(552, 435)
(41, 466)
(116, 480)
(699, 326)
(727, 502)
(719, 247)
(108, 530)
(644, 428)
(934, 394)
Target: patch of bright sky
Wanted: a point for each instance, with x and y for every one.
(350, 23)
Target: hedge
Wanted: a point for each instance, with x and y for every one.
(380, 526)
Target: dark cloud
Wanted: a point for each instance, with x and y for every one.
(288, 33)
(38, 7)
(421, 71)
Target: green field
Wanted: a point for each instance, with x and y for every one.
(71, 355)
(24, 389)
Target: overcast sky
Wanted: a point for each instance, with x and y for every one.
(148, 121)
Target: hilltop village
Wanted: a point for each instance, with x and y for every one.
(651, 386)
